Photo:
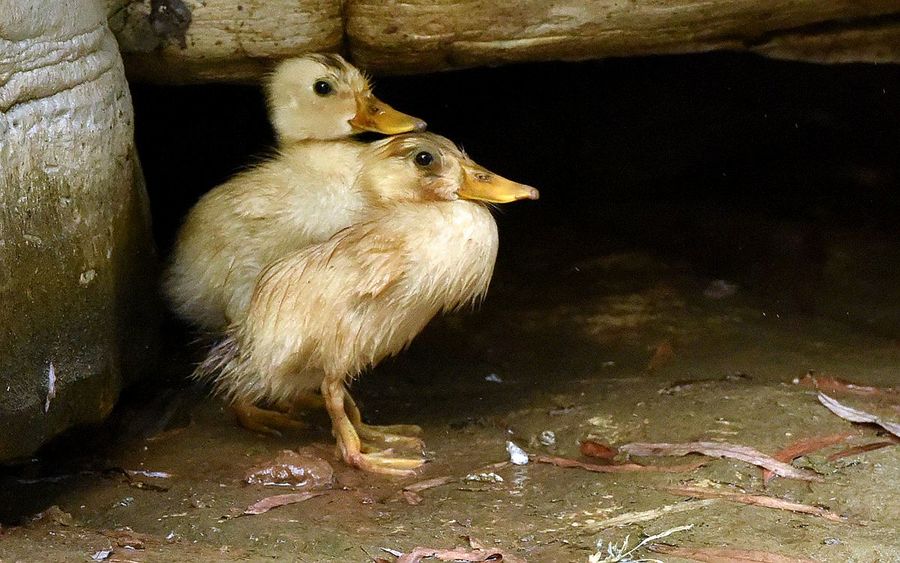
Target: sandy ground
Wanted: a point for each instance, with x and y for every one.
(618, 347)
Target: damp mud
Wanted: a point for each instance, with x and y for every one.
(613, 347)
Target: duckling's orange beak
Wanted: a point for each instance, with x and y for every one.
(374, 115)
(482, 185)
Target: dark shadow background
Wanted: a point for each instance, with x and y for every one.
(782, 176)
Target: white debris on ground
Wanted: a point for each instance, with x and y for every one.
(483, 478)
(516, 454)
(51, 387)
(547, 437)
(622, 553)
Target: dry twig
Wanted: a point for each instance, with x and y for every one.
(717, 449)
(803, 447)
(628, 518)
(268, 503)
(860, 449)
(756, 500)
(615, 468)
(856, 415)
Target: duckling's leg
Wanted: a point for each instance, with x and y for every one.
(265, 421)
(334, 393)
(286, 414)
(305, 401)
(403, 435)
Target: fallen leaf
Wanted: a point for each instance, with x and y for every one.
(725, 555)
(410, 493)
(757, 500)
(593, 448)
(629, 518)
(663, 354)
(838, 385)
(856, 415)
(718, 449)
(803, 447)
(268, 503)
(461, 554)
(860, 449)
(617, 467)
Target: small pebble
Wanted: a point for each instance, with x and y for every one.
(493, 378)
(547, 437)
(484, 478)
(832, 541)
(516, 454)
(125, 501)
(102, 555)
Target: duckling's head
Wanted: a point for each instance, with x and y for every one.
(428, 167)
(322, 96)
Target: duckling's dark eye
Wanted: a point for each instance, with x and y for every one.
(424, 158)
(323, 87)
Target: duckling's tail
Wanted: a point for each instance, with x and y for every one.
(217, 360)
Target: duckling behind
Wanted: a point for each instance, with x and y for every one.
(322, 96)
(321, 315)
(302, 196)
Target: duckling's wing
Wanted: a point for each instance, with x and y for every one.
(355, 266)
(380, 260)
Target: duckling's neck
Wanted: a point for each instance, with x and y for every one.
(452, 247)
(323, 198)
(292, 125)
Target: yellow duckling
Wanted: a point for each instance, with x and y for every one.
(321, 315)
(302, 196)
(322, 96)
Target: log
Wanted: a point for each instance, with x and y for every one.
(237, 40)
(878, 42)
(417, 35)
(220, 40)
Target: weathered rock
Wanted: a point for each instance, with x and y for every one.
(78, 306)
(236, 40)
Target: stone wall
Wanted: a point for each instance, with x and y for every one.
(78, 305)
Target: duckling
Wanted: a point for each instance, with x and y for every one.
(321, 315)
(301, 196)
(322, 96)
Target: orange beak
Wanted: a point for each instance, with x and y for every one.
(480, 184)
(374, 115)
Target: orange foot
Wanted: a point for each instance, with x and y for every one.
(264, 421)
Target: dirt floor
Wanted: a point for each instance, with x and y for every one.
(616, 347)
